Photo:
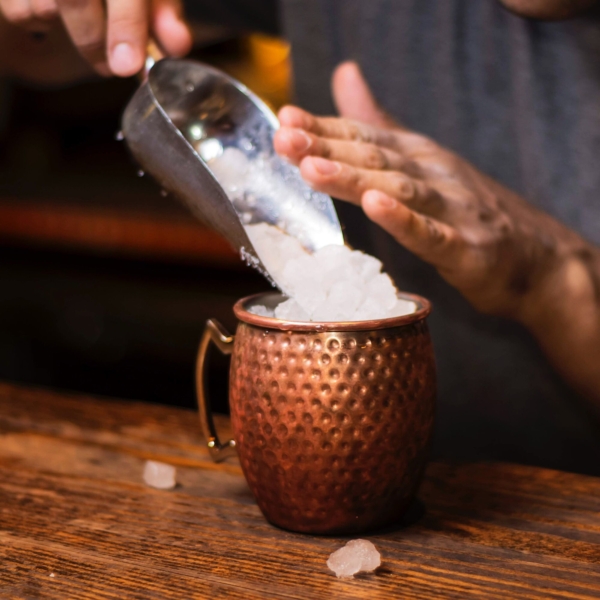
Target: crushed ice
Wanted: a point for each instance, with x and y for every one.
(334, 283)
(159, 475)
(254, 178)
(354, 557)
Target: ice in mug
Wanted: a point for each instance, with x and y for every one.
(334, 283)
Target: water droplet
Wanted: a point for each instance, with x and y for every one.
(140, 173)
(119, 136)
(189, 86)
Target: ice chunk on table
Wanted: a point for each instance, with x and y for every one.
(159, 475)
(354, 557)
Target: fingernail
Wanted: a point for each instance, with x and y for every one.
(299, 140)
(124, 59)
(326, 167)
(385, 201)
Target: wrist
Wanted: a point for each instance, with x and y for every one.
(565, 290)
(564, 317)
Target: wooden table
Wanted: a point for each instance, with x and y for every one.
(77, 521)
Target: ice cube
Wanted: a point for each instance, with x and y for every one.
(261, 311)
(230, 167)
(309, 298)
(299, 273)
(290, 310)
(334, 263)
(335, 254)
(159, 475)
(382, 290)
(274, 248)
(210, 149)
(403, 307)
(354, 557)
(346, 296)
(367, 266)
(334, 283)
(370, 310)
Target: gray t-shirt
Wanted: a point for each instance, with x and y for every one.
(521, 100)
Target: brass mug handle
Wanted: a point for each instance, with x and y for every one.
(216, 333)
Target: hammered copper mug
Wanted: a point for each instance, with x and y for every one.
(331, 421)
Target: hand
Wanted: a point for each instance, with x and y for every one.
(484, 239)
(111, 35)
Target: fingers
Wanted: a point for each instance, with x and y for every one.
(395, 138)
(336, 128)
(350, 183)
(431, 240)
(44, 9)
(170, 28)
(84, 21)
(110, 34)
(114, 41)
(295, 144)
(33, 15)
(353, 98)
(127, 35)
(16, 12)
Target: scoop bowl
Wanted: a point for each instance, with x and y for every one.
(186, 115)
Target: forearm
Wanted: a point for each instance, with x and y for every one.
(563, 314)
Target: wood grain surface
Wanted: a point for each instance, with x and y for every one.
(77, 521)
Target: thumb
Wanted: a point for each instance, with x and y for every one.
(353, 98)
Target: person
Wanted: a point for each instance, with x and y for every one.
(468, 133)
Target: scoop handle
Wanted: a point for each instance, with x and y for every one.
(153, 55)
(213, 332)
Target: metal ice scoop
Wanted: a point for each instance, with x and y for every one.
(198, 132)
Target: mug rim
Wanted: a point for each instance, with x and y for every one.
(241, 311)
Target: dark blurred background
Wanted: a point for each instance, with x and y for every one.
(105, 282)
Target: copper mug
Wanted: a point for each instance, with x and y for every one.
(332, 421)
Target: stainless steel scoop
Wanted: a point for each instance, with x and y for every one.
(186, 116)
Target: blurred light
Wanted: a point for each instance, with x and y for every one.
(210, 148)
(196, 132)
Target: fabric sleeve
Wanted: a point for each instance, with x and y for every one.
(240, 15)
